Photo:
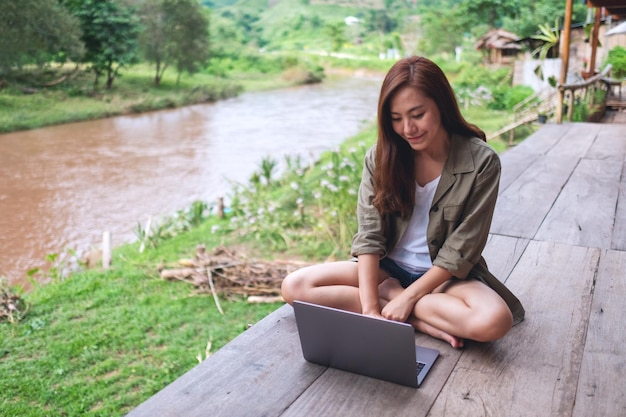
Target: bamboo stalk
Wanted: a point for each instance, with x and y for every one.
(212, 286)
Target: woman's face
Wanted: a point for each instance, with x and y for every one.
(416, 119)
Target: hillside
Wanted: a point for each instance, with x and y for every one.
(296, 25)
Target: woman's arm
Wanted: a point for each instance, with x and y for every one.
(368, 270)
(401, 307)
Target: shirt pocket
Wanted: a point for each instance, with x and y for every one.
(452, 213)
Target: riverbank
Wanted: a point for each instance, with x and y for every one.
(29, 103)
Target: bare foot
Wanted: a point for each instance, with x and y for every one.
(455, 342)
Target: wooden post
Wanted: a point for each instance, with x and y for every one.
(594, 41)
(559, 106)
(220, 207)
(106, 250)
(565, 41)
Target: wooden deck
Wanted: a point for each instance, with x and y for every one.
(558, 241)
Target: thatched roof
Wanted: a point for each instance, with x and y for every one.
(498, 39)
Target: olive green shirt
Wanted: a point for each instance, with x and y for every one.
(459, 218)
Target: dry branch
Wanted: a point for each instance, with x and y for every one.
(12, 307)
(228, 273)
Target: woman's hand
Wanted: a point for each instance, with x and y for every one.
(398, 309)
(373, 313)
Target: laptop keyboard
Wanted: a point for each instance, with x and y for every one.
(420, 366)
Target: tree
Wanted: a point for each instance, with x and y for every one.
(337, 34)
(534, 12)
(187, 31)
(491, 12)
(37, 32)
(436, 36)
(110, 35)
(153, 38)
(379, 20)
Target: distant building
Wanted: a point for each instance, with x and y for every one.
(351, 20)
(499, 46)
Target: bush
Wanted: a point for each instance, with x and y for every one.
(617, 58)
(505, 97)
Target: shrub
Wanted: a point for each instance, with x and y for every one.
(505, 97)
(617, 58)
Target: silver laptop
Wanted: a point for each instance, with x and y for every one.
(361, 344)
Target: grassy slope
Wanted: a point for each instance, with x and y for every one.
(101, 342)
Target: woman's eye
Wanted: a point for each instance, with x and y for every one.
(418, 116)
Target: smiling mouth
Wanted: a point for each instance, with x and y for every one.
(415, 138)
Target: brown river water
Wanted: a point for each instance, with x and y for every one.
(63, 186)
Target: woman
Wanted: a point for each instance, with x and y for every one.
(425, 205)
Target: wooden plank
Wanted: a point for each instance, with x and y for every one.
(619, 228)
(338, 393)
(533, 370)
(502, 254)
(584, 212)
(260, 372)
(577, 141)
(521, 208)
(513, 165)
(601, 385)
(544, 139)
(610, 143)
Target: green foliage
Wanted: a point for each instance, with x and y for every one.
(490, 12)
(36, 32)
(476, 76)
(110, 35)
(310, 207)
(187, 32)
(584, 110)
(60, 266)
(617, 58)
(336, 33)
(158, 230)
(435, 37)
(550, 37)
(75, 100)
(505, 97)
(524, 23)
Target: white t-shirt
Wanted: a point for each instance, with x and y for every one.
(411, 252)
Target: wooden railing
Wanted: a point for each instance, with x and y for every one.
(569, 92)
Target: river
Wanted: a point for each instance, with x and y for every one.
(62, 186)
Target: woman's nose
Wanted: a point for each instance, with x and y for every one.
(409, 128)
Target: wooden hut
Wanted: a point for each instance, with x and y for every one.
(499, 46)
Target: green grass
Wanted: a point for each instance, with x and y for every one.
(101, 342)
(133, 92)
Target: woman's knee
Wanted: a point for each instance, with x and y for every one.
(491, 324)
(292, 286)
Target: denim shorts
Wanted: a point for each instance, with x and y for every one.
(394, 270)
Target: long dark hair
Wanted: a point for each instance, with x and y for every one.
(394, 178)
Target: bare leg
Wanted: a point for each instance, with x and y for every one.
(390, 289)
(456, 310)
(333, 284)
